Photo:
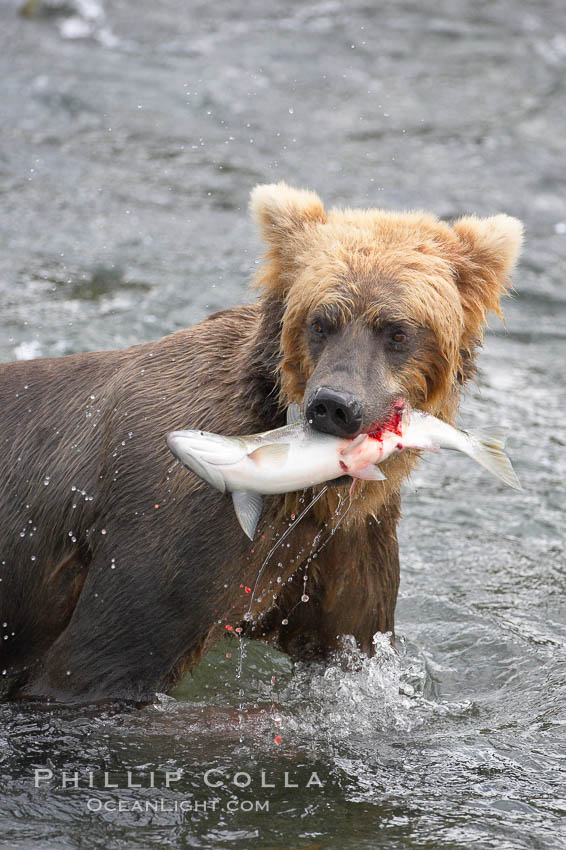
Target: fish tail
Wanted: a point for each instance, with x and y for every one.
(486, 448)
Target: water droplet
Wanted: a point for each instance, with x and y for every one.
(304, 597)
(285, 622)
(103, 531)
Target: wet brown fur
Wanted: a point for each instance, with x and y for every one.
(120, 568)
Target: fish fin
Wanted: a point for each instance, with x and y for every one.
(294, 414)
(274, 454)
(248, 509)
(486, 448)
(357, 441)
(371, 472)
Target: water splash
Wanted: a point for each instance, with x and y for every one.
(358, 696)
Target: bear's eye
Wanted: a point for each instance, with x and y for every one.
(398, 338)
(317, 327)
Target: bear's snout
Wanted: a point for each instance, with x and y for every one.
(334, 412)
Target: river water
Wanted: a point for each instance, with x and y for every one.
(131, 136)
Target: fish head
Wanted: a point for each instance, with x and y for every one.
(207, 454)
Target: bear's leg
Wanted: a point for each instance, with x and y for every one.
(140, 619)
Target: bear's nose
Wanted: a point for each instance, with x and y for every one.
(334, 412)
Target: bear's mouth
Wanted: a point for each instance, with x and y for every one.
(343, 481)
(392, 422)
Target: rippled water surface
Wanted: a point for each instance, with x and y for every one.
(131, 136)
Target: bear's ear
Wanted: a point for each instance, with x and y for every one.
(282, 211)
(488, 251)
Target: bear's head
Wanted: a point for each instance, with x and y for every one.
(376, 305)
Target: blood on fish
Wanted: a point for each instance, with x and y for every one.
(393, 422)
(343, 466)
(278, 739)
(228, 628)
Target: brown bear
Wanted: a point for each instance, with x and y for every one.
(118, 567)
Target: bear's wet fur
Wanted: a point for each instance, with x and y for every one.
(118, 567)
